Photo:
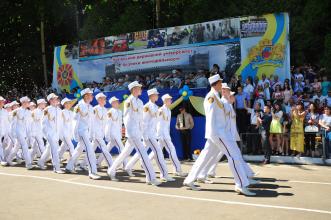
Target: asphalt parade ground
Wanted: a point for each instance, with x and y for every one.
(285, 192)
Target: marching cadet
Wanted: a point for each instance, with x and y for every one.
(150, 137)
(36, 131)
(12, 140)
(83, 133)
(133, 115)
(52, 129)
(6, 138)
(114, 129)
(4, 129)
(68, 128)
(210, 168)
(22, 116)
(163, 133)
(99, 128)
(218, 140)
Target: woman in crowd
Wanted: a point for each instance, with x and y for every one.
(325, 123)
(286, 134)
(311, 123)
(276, 128)
(297, 133)
(278, 95)
(287, 92)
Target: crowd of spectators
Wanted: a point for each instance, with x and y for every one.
(299, 111)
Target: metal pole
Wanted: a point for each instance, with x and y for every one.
(157, 10)
(43, 54)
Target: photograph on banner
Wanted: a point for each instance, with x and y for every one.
(212, 32)
(93, 47)
(268, 54)
(188, 60)
(252, 26)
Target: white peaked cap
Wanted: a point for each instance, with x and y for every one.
(39, 101)
(86, 91)
(113, 99)
(225, 86)
(65, 100)
(214, 79)
(134, 84)
(24, 99)
(100, 95)
(51, 96)
(166, 96)
(152, 92)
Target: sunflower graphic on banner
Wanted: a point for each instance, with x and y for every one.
(65, 74)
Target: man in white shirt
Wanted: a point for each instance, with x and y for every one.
(218, 140)
(150, 137)
(83, 134)
(133, 121)
(23, 118)
(52, 128)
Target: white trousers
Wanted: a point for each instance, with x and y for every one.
(113, 142)
(167, 143)
(213, 147)
(52, 148)
(37, 146)
(157, 152)
(66, 145)
(210, 168)
(98, 141)
(21, 143)
(8, 144)
(84, 144)
(2, 149)
(135, 143)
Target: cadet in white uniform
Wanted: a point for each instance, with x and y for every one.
(37, 142)
(150, 137)
(218, 140)
(6, 138)
(68, 128)
(83, 134)
(99, 128)
(4, 129)
(210, 168)
(12, 140)
(133, 119)
(52, 129)
(114, 129)
(23, 117)
(163, 133)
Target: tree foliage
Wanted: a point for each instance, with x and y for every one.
(67, 21)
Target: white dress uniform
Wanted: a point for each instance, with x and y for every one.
(150, 140)
(68, 133)
(52, 128)
(133, 115)
(36, 133)
(114, 133)
(210, 168)
(4, 131)
(99, 131)
(83, 134)
(22, 117)
(219, 139)
(163, 135)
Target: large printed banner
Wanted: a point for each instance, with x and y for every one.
(265, 46)
(247, 46)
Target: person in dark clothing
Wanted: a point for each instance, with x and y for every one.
(184, 124)
(264, 123)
